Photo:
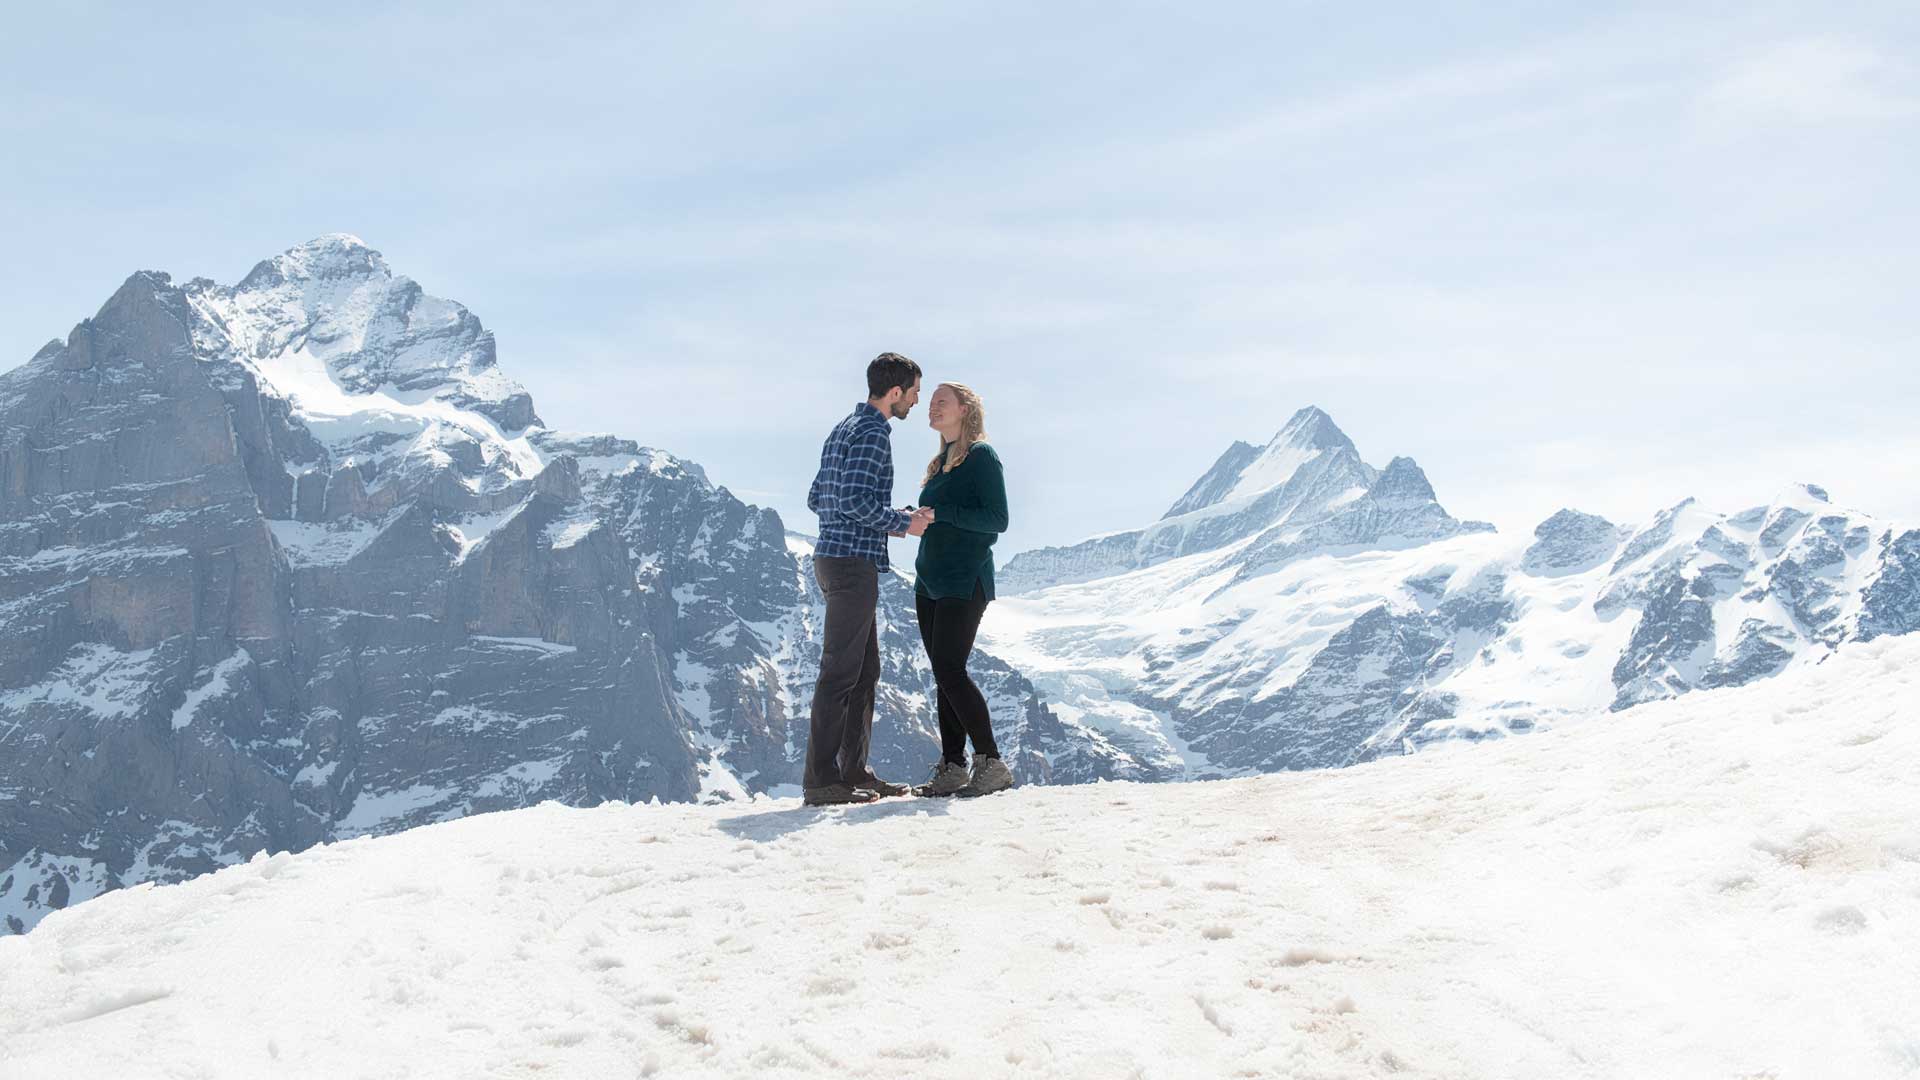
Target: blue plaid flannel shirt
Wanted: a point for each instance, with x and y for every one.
(852, 491)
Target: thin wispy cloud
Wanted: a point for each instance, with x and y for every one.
(1814, 80)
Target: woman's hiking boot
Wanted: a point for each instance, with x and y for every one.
(990, 774)
(948, 778)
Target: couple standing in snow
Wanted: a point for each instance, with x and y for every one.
(962, 510)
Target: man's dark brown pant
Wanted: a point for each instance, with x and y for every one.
(842, 721)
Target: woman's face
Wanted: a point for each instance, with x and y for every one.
(944, 412)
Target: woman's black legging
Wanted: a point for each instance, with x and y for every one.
(947, 627)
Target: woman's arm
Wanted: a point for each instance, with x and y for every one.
(991, 484)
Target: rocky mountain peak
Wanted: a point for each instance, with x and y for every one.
(333, 256)
(1311, 429)
(328, 324)
(142, 290)
(143, 322)
(1308, 434)
(1246, 471)
(1402, 483)
(1570, 542)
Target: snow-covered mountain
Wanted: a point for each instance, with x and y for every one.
(294, 560)
(1299, 609)
(1722, 885)
(1306, 491)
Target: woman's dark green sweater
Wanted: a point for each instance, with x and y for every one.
(969, 512)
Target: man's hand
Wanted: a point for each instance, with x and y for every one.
(908, 510)
(922, 518)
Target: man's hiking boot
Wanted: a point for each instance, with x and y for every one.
(837, 795)
(990, 774)
(880, 787)
(948, 777)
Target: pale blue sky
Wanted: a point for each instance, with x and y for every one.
(1599, 255)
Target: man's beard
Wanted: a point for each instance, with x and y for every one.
(901, 409)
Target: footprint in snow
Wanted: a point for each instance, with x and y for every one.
(829, 986)
(926, 1051)
(1841, 921)
(670, 1021)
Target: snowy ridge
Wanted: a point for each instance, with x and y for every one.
(1567, 905)
(1306, 491)
(329, 325)
(374, 368)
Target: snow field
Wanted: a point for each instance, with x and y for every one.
(1722, 885)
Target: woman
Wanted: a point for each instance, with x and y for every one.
(954, 583)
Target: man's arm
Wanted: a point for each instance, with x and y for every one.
(818, 489)
(859, 496)
(917, 523)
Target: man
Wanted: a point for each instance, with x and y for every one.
(851, 494)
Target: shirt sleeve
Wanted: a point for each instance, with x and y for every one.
(990, 516)
(860, 498)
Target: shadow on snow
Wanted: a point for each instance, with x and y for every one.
(774, 824)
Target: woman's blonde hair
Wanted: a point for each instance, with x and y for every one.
(973, 429)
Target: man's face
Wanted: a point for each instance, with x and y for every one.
(908, 399)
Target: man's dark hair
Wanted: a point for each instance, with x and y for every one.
(889, 370)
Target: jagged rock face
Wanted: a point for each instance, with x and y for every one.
(1372, 688)
(1759, 650)
(1775, 583)
(1305, 491)
(1329, 714)
(1891, 604)
(293, 560)
(1570, 542)
(1672, 644)
(149, 653)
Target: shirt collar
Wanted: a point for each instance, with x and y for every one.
(866, 409)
